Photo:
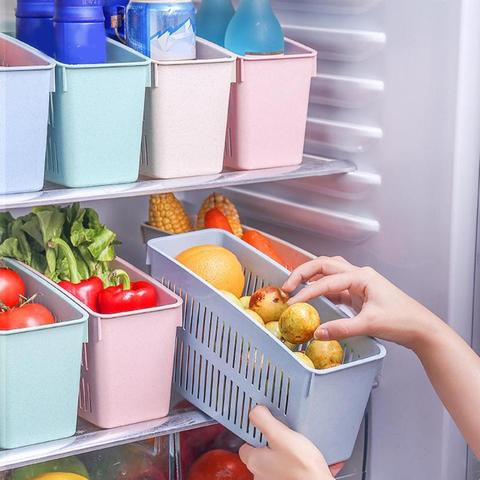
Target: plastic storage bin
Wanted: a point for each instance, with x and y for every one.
(26, 80)
(96, 120)
(268, 109)
(226, 363)
(292, 255)
(186, 114)
(128, 361)
(40, 369)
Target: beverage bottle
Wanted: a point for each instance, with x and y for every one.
(79, 31)
(162, 29)
(114, 11)
(213, 18)
(255, 30)
(35, 24)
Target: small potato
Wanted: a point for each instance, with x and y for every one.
(274, 329)
(325, 354)
(304, 359)
(255, 316)
(245, 301)
(299, 322)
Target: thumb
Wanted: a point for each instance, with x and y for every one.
(343, 328)
(275, 432)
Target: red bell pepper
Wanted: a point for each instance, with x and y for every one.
(85, 290)
(127, 296)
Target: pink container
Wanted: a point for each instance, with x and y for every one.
(268, 109)
(127, 364)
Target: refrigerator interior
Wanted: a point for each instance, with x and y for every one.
(397, 92)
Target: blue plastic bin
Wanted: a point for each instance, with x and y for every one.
(40, 369)
(96, 120)
(26, 80)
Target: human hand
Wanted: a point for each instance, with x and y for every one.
(384, 311)
(289, 455)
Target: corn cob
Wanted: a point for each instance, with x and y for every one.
(217, 200)
(167, 213)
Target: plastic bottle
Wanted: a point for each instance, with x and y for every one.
(114, 11)
(213, 18)
(79, 31)
(255, 30)
(35, 24)
(162, 29)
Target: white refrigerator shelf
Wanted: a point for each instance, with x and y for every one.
(89, 438)
(54, 194)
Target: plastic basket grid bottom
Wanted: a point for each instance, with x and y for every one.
(212, 362)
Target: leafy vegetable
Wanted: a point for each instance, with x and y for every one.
(30, 240)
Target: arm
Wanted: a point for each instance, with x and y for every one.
(386, 312)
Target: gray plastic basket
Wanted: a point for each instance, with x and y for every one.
(226, 363)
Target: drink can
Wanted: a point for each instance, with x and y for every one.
(162, 30)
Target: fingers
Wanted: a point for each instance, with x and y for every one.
(344, 328)
(321, 265)
(332, 284)
(276, 433)
(335, 469)
(246, 451)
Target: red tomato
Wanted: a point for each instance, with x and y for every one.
(11, 287)
(214, 218)
(26, 316)
(219, 465)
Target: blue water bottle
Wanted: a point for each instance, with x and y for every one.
(79, 31)
(255, 30)
(213, 18)
(35, 24)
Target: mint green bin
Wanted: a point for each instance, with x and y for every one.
(96, 120)
(40, 370)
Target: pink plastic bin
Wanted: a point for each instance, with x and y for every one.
(268, 109)
(128, 362)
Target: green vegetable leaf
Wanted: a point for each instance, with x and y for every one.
(5, 222)
(101, 248)
(31, 226)
(51, 220)
(11, 248)
(23, 244)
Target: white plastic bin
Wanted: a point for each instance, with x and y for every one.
(268, 108)
(26, 80)
(186, 114)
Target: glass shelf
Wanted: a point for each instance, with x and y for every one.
(54, 194)
(89, 438)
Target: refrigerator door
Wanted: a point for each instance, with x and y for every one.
(398, 93)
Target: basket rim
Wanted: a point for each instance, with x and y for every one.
(26, 270)
(91, 313)
(381, 350)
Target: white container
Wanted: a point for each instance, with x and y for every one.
(186, 114)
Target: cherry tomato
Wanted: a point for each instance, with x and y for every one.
(219, 465)
(26, 316)
(11, 287)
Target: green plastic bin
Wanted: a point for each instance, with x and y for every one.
(96, 120)
(40, 369)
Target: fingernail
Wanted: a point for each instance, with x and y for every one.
(322, 334)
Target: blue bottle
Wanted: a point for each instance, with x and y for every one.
(35, 24)
(255, 30)
(79, 31)
(213, 18)
(114, 11)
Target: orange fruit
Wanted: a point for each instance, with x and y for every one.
(216, 265)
